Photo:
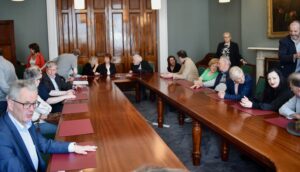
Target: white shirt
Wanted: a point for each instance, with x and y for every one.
(107, 68)
(297, 45)
(54, 83)
(27, 139)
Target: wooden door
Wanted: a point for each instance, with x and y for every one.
(7, 40)
(120, 27)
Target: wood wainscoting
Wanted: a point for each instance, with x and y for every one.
(120, 27)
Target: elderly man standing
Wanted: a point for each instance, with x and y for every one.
(20, 144)
(289, 50)
(7, 76)
(67, 64)
(230, 49)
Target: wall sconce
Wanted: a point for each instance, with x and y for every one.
(79, 4)
(17, 0)
(155, 4)
(224, 1)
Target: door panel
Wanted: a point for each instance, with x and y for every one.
(120, 27)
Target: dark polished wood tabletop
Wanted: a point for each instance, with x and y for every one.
(267, 143)
(124, 138)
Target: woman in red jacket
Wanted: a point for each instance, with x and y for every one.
(35, 58)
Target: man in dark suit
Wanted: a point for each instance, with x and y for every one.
(289, 50)
(20, 144)
(54, 89)
(230, 49)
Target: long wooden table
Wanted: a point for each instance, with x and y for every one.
(125, 140)
(267, 143)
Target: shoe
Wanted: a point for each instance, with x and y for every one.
(188, 120)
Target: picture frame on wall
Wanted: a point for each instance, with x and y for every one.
(280, 14)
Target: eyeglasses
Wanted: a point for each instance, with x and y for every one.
(28, 105)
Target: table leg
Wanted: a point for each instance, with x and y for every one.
(160, 112)
(224, 149)
(137, 92)
(181, 118)
(197, 133)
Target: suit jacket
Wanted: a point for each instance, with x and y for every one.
(218, 78)
(87, 70)
(176, 68)
(13, 152)
(286, 51)
(146, 68)
(234, 53)
(46, 87)
(243, 89)
(103, 71)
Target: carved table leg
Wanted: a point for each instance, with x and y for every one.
(224, 150)
(137, 92)
(181, 118)
(197, 133)
(160, 112)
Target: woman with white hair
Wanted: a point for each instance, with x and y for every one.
(139, 65)
(238, 86)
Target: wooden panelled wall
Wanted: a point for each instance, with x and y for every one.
(120, 27)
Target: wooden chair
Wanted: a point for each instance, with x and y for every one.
(260, 87)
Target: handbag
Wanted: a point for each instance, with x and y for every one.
(53, 118)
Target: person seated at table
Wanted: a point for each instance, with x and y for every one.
(90, 68)
(34, 74)
(107, 68)
(20, 144)
(218, 83)
(276, 93)
(291, 109)
(35, 58)
(139, 65)
(54, 89)
(173, 66)
(188, 70)
(238, 86)
(209, 74)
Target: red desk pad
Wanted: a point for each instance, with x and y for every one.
(75, 127)
(278, 121)
(74, 108)
(188, 84)
(72, 161)
(254, 112)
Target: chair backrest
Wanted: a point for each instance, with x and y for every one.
(80, 68)
(260, 87)
(152, 65)
(201, 69)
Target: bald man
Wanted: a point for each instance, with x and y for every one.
(289, 50)
(230, 49)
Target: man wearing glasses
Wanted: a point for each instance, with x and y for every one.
(20, 144)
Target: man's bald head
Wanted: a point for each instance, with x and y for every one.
(295, 30)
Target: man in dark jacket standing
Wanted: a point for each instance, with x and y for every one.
(289, 50)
